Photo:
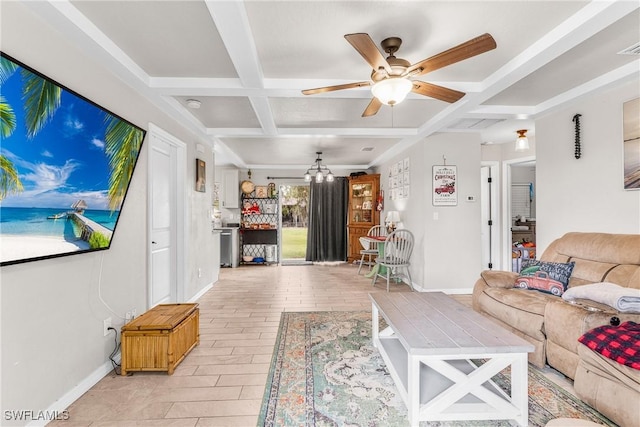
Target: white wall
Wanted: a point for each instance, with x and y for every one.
(51, 315)
(585, 194)
(447, 251)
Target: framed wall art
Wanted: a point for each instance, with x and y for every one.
(444, 189)
(201, 175)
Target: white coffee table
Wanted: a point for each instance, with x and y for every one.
(429, 348)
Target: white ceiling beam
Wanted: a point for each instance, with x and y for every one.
(274, 88)
(585, 23)
(232, 22)
(626, 72)
(315, 132)
(96, 45)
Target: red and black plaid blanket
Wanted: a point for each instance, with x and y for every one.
(620, 343)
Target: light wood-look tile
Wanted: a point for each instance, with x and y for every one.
(221, 382)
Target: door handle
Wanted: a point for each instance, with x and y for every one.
(154, 242)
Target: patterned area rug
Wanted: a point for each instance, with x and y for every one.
(326, 372)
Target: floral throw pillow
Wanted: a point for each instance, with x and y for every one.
(548, 277)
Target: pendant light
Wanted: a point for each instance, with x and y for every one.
(321, 172)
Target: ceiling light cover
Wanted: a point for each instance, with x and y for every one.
(522, 143)
(193, 103)
(392, 91)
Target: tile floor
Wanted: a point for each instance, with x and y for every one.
(221, 382)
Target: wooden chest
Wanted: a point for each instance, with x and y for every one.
(159, 339)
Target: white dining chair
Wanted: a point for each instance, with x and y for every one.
(368, 249)
(398, 247)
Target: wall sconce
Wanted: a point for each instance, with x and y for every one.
(522, 143)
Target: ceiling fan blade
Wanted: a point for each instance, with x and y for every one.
(437, 92)
(367, 48)
(372, 108)
(459, 53)
(336, 87)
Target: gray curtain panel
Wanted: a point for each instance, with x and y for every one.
(327, 239)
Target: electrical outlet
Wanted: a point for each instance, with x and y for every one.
(127, 316)
(199, 272)
(134, 313)
(106, 324)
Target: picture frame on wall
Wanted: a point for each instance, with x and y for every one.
(201, 177)
(444, 189)
(631, 142)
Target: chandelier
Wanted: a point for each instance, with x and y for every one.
(319, 171)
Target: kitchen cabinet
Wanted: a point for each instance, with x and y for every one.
(363, 212)
(230, 197)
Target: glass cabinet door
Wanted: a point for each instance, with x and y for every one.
(362, 199)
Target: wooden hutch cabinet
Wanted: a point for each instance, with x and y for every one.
(363, 212)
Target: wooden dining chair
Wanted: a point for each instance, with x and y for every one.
(368, 249)
(398, 247)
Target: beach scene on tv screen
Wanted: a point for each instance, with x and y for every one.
(65, 167)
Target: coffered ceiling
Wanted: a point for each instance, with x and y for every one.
(247, 62)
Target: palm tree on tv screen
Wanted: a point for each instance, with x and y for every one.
(42, 99)
(123, 143)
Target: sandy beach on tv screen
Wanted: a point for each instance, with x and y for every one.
(20, 247)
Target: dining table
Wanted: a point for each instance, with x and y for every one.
(379, 241)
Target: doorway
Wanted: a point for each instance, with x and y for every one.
(166, 217)
(294, 217)
(519, 190)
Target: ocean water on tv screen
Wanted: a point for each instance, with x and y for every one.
(41, 222)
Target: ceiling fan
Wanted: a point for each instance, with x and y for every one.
(390, 78)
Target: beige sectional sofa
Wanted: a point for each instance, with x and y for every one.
(553, 325)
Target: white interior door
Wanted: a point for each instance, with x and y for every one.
(165, 220)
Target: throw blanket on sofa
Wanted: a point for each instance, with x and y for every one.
(616, 296)
(618, 343)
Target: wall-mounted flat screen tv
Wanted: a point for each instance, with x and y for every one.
(65, 167)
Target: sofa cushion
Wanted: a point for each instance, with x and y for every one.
(544, 276)
(609, 387)
(599, 257)
(521, 309)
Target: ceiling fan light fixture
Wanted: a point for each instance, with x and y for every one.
(522, 142)
(392, 90)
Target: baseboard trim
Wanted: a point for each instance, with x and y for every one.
(85, 385)
(74, 394)
(203, 291)
(457, 291)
